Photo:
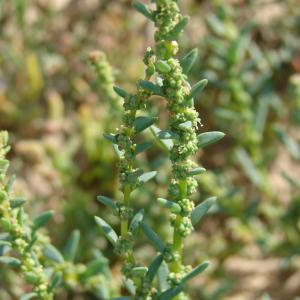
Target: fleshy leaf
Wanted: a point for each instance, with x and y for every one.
(108, 202)
(122, 93)
(173, 206)
(14, 262)
(139, 271)
(72, 246)
(42, 219)
(147, 176)
(179, 27)
(153, 267)
(207, 138)
(197, 88)
(196, 171)
(188, 61)
(143, 9)
(17, 202)
(196, 271)
(142, 123)
(153, 237)
(52, 253)
(107, 230)
(150, 86)
(201, 209)
(136, 222)
(143, 147)
(110, 137)
(28, 296)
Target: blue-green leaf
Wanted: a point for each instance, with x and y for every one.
(207, 138)
(188, 61)
(11, 261)
(196, 271)
(171, 205)
(72, 246)
(178, 28)
(108, 202)
(136, 222)
(142, 123)
(196, 171)
(28, 296)
(171, 293)
(110, 137)
(143, 9)
(42, 219)
(52, 253)
(167, 134)
(17, 202)
(147, 176)
(150, 86)
(107, 230)
(153, 237)
(122, 93)
(201, 209)
(153, 267)
(143, 147)
(197, 88)
(55, 281)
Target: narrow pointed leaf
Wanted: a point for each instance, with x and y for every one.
(17, 202)
(142, 123)
(196, 271)
(207, 138)
(162, 277)
(133, 176)
(201, 209)
(147, 176)
(42, 219)
(143, 147)
(110, 137)
(9, 184)
(153, 267)
(150, 86)
(173, 206)
(122, 93)
(188, 61)
(52, 253)
(179, 27)
(108, 202)
(107, 230)
(165, 144)
(136, 222)
(171, 293)
(28, 296)
(11, 261)
(56, 281)
(196, 171)
(153, 237)
(72, 246)
(186, 125)
(197, 88)
(143, 9)
(167, 134)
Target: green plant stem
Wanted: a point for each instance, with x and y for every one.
(124, 224)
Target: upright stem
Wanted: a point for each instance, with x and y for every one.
(124, 223)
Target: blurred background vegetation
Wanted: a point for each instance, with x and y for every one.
(56, 110)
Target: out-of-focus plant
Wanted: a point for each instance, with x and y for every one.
(41, 264)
